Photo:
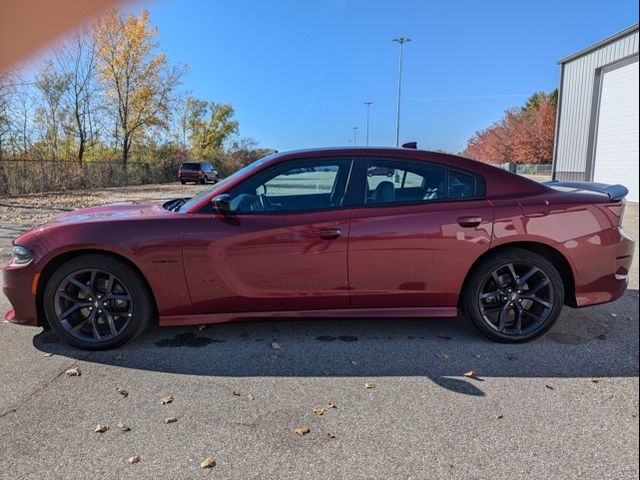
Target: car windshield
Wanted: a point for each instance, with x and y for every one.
(218, 186)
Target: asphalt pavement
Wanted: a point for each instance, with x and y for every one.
(564, 406)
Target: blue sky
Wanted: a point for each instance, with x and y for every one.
(298, 72)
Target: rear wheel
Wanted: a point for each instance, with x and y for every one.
(514, 296)
(97, 302)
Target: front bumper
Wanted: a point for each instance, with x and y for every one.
(19, 287)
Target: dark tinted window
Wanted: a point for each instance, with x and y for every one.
(406, 181)
(461, 185)
(190, 166)
(393, 181)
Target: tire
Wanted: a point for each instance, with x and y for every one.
(114, 299)
(183, 182)
(531, 300)
(204, 181)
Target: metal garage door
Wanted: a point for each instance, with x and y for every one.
(616, 154)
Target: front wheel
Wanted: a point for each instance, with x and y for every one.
(97, 302)
(513, 296)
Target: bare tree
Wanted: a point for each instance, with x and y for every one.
(52, 86)
(76, 60)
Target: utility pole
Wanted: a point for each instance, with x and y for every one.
(368, 104)
(355, 130)
(401, 41)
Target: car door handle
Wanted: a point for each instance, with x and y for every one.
(329, 233)
(469, 221)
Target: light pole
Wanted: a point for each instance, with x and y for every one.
(355, 130)
(368, 104)
(401, 41)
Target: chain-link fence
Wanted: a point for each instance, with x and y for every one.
(29, 176)
(533, 169)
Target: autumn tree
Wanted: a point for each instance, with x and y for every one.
(522, 135)
(136, 76)
(208, 125)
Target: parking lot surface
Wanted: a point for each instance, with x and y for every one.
(564, 406)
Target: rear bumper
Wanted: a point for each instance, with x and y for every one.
(601, 265)
(17, 287)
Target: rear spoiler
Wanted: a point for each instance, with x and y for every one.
(614, 192)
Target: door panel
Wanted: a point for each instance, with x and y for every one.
(245, 263)
(415, 255)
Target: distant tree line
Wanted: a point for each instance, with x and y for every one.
(524, 135)
(109, 93)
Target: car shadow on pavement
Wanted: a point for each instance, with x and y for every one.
(599, 341)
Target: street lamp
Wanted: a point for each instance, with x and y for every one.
(355, 130)
(401, 41)
(368, 104)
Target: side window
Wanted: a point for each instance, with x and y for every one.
(461, 185)
(395, 181)
(297, 186)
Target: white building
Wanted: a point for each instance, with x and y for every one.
(597, 127)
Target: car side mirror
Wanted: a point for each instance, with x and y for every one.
(222, 204)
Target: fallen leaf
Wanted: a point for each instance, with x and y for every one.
(250, 397)
(318, 411)
(442, 355)
(48, 354)
(201, 327)
(330, 435)
(123, 426)
(592, 380)
(171, 420)
(74, 372)
(119, 357)
(614, 315)
(369, 385)
(166, 399)
(476, 355)
(498, 417)
(237, 394)
(134, 459)
(122, 391)
(471, 374)
(276, 345)
(549, 387)
(354, 363)
(208, 463)
(100, 428)
(331, 405)
(302, 430)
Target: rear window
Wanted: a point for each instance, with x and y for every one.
(190, 166)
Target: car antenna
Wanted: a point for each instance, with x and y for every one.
(413, 145)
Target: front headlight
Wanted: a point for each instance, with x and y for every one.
(21, 255)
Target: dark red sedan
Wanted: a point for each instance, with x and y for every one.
(311, 234)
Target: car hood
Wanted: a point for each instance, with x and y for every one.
(116, 211)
